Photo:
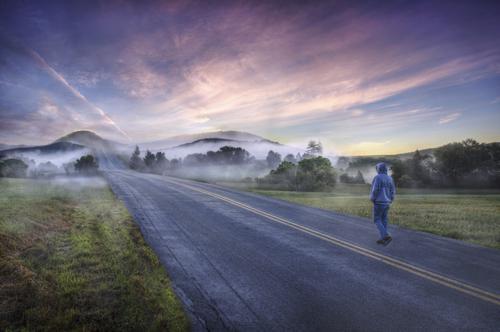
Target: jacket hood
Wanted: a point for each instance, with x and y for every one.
(381, 168)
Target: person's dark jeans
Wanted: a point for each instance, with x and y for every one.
(380, 214)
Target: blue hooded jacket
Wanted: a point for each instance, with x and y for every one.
(383, 189)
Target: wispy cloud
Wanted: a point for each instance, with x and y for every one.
(41, 61)
(288, 71)
(449, 118)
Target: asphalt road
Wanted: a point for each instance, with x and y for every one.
(240, 261)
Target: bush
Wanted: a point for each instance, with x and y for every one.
(316, 174)
(283, 177)
(407, 181)
(136, 162)
(312, 174)
(13, 168)
(358, 179)
(87, 165)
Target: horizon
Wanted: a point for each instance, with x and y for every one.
(264, 138)
(364, 79)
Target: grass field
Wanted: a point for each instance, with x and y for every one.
(468, 215)
(71, 258)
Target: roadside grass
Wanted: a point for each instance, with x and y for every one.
(72, 258)
(468, 215)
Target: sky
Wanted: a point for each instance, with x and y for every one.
(363, 77)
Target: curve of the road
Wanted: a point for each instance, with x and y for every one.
(241, 261)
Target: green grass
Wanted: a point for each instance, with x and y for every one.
(71, 258)
(468, 215)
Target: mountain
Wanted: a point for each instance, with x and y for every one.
(9, 146)
(214, 140)
(78, 140)
(257, 148)
(90, 140)
(183, 139)
(44, 149)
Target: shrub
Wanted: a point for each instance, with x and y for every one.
(87, 165)
(316, 174)
(13, 168)
(312, 174)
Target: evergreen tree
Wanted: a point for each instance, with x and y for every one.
(135, 160)
(273, 159)
(290, 158)
(359, 178)
(161, 163)
(87, 165)
(149, 159)
(314, 149)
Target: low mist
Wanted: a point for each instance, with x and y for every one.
(220, 172)
(57, 158)
(257, 149)
(79, 182)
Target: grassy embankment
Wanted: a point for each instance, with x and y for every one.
(71, 258)
(468, 215)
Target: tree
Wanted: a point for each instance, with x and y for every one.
(233, 155)
(290, 158)
(398, 169)
(316, 174)
(13, 168)
(175, 164)
(283, 168)
(310, 174)
(407, 181)
(358, 179)
(161, 163)
(456, 160)
(87, 165)
(226, 155)
(196, 159)
(149, 160)
(47, 169)
(283, 177)
(273, 159)
(69, 168)
(314, 149)
(136, 162)
(417, 170)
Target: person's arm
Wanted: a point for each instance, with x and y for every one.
(392, 190)
(375, 189)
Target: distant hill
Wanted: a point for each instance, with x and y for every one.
(44, 149)
(175, 141)
(66, 148)
(9, 146)
(90, 140)
(214, 140)
(403, 155)
(257, 148)
(361, 162)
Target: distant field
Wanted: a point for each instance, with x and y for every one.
(71, 258)
(468, 215)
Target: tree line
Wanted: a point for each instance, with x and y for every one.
(311, 173)
(466, 164)
(307, 172)
(21, 168)
(460, 164)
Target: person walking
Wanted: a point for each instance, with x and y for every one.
(382, 195)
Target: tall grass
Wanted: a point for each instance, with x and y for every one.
(71, 258)
(468, 215)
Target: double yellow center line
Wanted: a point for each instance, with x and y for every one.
(426, 274)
